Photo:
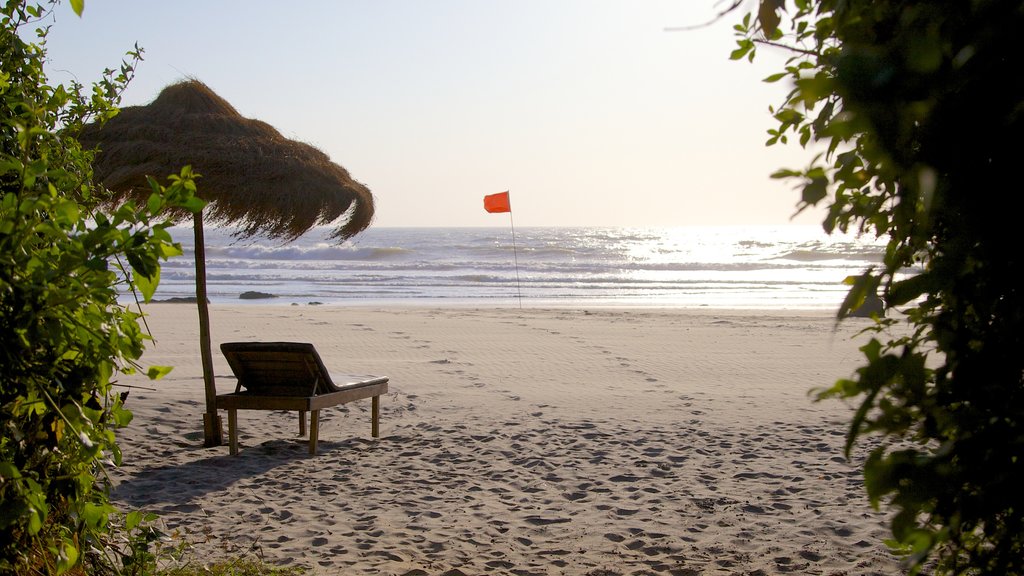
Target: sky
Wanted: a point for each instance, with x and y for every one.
(590, 112)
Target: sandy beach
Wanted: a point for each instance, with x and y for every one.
(512, 441)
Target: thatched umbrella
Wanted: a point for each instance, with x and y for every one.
(251, 177)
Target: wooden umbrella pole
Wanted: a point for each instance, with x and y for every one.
(212, 429)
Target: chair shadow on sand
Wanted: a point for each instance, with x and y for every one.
(178, 487)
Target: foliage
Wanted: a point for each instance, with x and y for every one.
(63, 335)
(151, 552)
(917, 110)
(234, 568)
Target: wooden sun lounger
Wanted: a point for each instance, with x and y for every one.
(291, 376)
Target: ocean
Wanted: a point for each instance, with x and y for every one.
(739, 267)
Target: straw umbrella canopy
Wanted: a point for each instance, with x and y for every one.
(251, 176)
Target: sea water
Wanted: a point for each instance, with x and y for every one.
(740, 267)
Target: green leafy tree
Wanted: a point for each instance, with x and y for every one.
(917, 112)
(64, 337)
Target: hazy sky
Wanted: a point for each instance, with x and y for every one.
(588, 111)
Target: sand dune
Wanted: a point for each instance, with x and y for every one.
(520, 442)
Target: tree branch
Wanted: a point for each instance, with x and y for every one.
(735, 4)
(773, 44)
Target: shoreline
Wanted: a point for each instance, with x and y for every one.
(482, 304)
(535, 441)
(488, 302)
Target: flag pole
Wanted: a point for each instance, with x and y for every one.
(501, 202)
(515, 258)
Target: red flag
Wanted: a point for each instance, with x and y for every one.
(497, 202)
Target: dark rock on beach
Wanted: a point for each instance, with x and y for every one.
(255, 295)
(181, 300)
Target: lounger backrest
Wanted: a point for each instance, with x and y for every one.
(277, 368)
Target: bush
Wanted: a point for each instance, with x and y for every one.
(63, 336)
(919, 110)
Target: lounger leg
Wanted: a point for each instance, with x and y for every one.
(302, 422)
(233, 432)
(375, 417)
(314, 430)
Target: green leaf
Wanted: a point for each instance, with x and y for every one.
(745, 46)
(170, 250)
(194, 204)
(877, 478)
(815, 88)
(68, 557)
(9, 471)
(121, 418)
(78, 6)
(154, 185)
(161, 233)
(96, 514)
(785, 173)
(132, 520)
(158, 372)
(905, 291)
(858, 419)
(35, 520)
(815, 191)
(864, 288)
(154, 203)
(147, 284)
(9, 165)
(788, 116)
(66, 213)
